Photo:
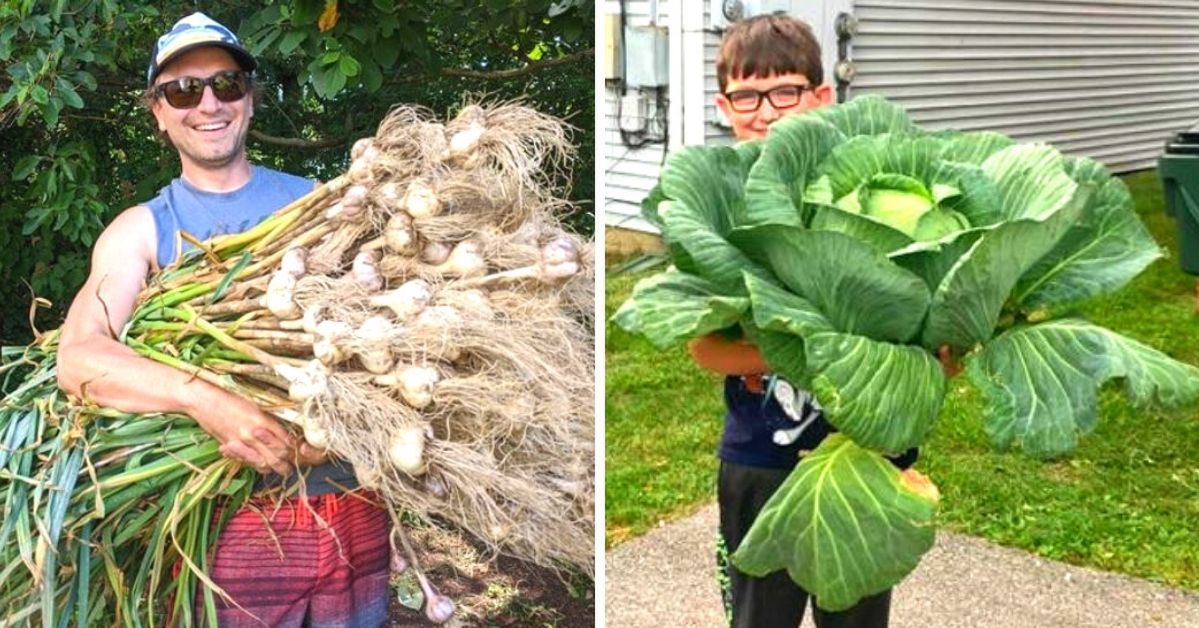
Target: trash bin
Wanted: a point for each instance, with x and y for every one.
(1179, 170)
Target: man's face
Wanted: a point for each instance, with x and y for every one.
(749, 124)
(211, 134)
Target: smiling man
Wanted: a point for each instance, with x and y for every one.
(279, 565)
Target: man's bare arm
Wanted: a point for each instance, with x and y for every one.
(93, 364)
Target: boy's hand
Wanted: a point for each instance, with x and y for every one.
(948, 364)
(919, 483)
(727, 357)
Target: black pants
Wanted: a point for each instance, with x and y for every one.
(774, 601)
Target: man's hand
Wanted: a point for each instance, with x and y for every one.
(245, 432)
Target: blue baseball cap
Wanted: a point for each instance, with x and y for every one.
(195, 31)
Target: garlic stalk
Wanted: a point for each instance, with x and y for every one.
(559, 261)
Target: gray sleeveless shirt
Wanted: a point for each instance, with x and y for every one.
(182, 207)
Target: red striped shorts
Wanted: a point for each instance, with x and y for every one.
(302, 572)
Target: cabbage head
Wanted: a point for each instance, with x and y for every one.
(853, 248)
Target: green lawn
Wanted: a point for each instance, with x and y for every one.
(1126, 501)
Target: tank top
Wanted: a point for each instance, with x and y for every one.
(181, 206)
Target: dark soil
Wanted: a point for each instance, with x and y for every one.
(496, 592)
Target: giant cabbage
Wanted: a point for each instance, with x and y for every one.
(854, 248)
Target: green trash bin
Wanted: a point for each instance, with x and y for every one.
(1179, 170)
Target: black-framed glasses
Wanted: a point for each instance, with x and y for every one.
(186, 92)
(781, 97)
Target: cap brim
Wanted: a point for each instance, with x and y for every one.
(243, 58)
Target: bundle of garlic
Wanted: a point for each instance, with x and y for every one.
(425, 318)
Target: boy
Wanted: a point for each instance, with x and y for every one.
(768, 66)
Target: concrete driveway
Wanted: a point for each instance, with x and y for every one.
(666, 579)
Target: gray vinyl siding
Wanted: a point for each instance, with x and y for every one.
(629, 173)
(714, 133)
(1109, 79)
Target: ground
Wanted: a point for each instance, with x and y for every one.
(497, 592)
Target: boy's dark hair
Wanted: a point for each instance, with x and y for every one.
(768, 45)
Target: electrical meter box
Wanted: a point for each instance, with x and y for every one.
(647, 51)
(725, 12)
(634, 113)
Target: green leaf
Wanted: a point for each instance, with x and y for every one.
(291, 41)
(933, 260)
(1032, 180)
(1041, 382)
(228, 278)
(372, 78)
(965, 307)
(896, 200)
(869, 114)
(25, 166)
(775, 309)
(671, 307)
(1103, 251)
(68, 94)
(51, 110)
(858, 289)
(387, 52)
(879, 236)
(843, 526)
(777, 180)
(39, 94)
(783, 352)
(896, 159)
(704, 184)
(882, 396)
(349, 65)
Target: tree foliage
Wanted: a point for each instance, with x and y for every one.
(79, 147)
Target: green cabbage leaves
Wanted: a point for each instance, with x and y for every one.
(852, 247)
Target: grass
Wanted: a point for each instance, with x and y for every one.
(1126, 501)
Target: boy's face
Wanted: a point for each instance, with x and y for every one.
(792, 93)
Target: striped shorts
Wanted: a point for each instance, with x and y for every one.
(300, 572)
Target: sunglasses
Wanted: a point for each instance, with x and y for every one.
(186, 92)
(781, 97)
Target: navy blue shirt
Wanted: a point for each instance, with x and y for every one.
(774, 427)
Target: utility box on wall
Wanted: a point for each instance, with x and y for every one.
(648, 54)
